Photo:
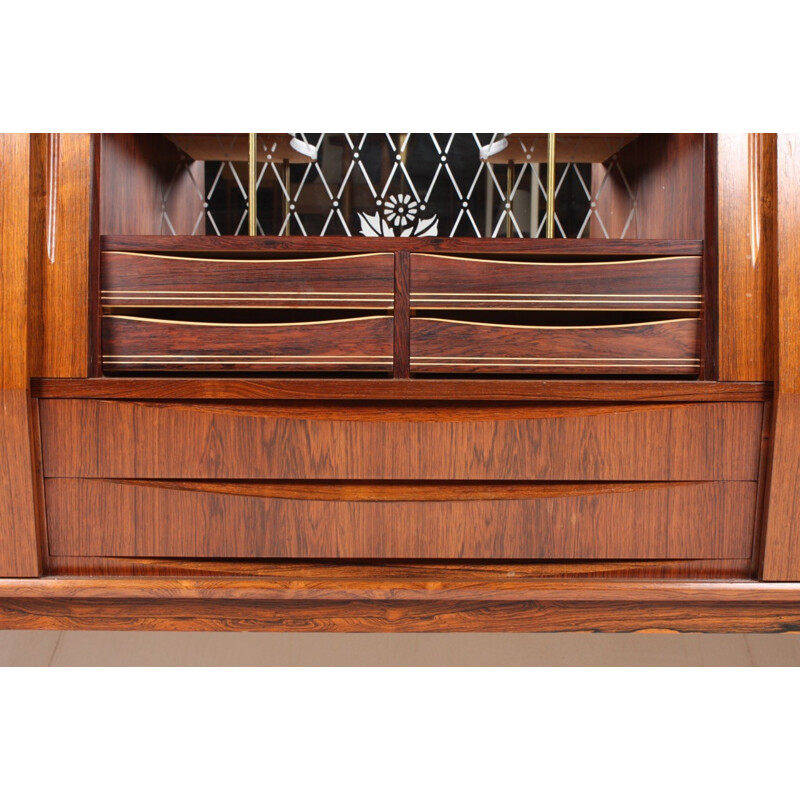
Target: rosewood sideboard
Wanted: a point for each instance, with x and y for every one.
(573, 407)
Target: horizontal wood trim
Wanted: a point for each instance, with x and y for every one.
(426, 244)
(667, 347)
(391, 616)
(106, 439)
(357, 281)
(671, 283)
(529, 390)
(399, 570)
(135, 343)
(117, 518)
(502, 589)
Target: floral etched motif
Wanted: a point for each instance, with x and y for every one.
(399, 211)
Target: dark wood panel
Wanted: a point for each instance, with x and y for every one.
(360, 281)
(667, 347)
(564, 248)
(672, 283)
(135, 343)
(145, 179)
(391, 571)
(19, 550)
(196, 520)
(663, 173)
(529, 390)
(86, 438)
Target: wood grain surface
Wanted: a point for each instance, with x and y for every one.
(135, 279)
(672, 284)
(329, 245)
(662, 348)
(421, 389)
(19, 548)
(603, 521)
(138, 343)
(106, 439)
(782, 502)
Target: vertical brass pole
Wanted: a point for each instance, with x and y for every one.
(252, 165)
(509, 189)
(286, 198)
(551, 185)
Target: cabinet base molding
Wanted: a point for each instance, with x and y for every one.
(379, 605)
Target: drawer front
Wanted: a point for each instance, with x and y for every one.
(649, 284)
(644, 521)
(358, 344)
(116, 439)
(664, 347)
(354, 281)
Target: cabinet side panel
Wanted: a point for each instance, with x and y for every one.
(18, 539)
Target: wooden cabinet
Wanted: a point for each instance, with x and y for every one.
(401, 432)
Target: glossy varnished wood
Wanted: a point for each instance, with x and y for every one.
(781, 559)
(559, 248)
(539, 605)
(446, 345)
(63, 252)
(396, 569)
(745, 214)
(209, 520)
(135, 279)
(138, 343)
(19, 548)
(528, 390)
(672, 284)
(105, 439)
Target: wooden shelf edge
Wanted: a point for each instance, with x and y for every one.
(425, 244)
(501, 605)
(355, 389)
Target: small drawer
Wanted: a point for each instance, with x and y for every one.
(644, 285)
(171, 519)
(665, 347)
(141, 280)
(137, 343)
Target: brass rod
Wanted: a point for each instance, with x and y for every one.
(287, 215)
(252, 164)
(551, 185)
(509, 189)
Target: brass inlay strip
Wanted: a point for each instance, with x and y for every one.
(245, 260)
(551, 185)
(242, 324)
(556, 327)
(623, 262)
(252, 164)
(547, 358)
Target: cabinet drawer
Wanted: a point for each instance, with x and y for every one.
(212, 520)
(646, 284)
(136, 343)
(664, 347)
(125, 439)
(354, 281)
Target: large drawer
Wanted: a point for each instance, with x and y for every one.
(710, 520)
(126, 439)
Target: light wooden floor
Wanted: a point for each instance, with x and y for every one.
(77, 648)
